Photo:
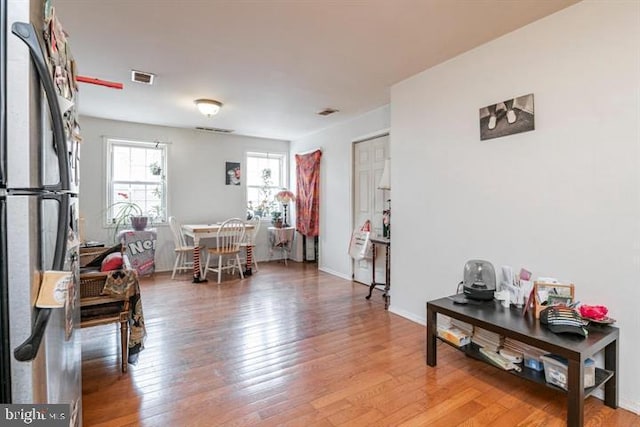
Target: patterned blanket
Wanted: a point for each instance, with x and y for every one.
(125, 282)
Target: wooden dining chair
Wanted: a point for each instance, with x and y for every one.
(181, 248)
(228, 239)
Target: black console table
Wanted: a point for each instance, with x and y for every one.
(387, 268)
(510, 322)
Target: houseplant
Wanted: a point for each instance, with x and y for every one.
(126, 212)
(155, 168)
(276, 219)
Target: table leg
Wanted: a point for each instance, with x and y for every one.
(248, 270)
(387, 282)
(611, 364)
(196, 262)
(431, 336)
(575, 393)
(373, 272)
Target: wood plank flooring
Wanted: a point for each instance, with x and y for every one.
(291, 346)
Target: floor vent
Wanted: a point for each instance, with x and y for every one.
(142, 77)
(216, 130)
(327, 111)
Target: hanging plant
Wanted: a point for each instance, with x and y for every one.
(155, 168)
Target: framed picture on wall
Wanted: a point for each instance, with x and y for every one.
(508, 117)
(232, 173)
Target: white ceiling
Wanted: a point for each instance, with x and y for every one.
(274, 64)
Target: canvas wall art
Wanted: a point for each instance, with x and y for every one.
(232, 173)
(508, 117)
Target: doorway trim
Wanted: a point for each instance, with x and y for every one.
(364, 138)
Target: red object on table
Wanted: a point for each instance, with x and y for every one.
(95, 81)
(595, 312)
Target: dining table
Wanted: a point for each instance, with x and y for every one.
(205, 231)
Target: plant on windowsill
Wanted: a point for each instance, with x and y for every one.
(126, 212)
(265, 204)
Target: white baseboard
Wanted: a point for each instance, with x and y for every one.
(629, 405)
(408, 315)
(334, 273)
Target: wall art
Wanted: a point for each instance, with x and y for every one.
(504, 118)
(232, 173)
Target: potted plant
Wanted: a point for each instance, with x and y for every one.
(155, 168)
(276, 219)
(126, 212)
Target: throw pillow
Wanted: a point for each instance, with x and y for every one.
(97, 261)
(112, 262)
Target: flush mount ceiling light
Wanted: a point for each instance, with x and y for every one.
(208, 107)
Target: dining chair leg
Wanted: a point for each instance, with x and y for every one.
(206, 267)
(239, 266)
(124, 344)
(219, 267)
(175, 266)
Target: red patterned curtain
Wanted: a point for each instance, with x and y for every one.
(308, 197)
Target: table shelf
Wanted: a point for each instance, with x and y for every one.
(473, 351)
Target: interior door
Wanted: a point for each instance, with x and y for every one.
(368, 203)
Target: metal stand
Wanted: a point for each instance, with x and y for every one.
(304, 249)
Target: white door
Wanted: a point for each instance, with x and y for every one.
(369, 201)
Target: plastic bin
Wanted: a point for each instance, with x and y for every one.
(556, 368)
(533, 361)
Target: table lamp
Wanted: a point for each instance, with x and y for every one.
(385, 184)
(285, 197)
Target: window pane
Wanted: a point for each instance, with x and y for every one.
(265, 177)
(121, 163)
(137, 180)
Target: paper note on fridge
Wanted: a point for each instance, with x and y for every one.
(54, 289)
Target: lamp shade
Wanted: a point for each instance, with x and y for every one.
(385, 180)
(208, 107)
(285, 196)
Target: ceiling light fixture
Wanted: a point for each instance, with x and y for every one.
(208, 107)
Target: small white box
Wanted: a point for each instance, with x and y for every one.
(556, 371)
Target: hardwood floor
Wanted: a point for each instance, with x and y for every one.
(297, 347)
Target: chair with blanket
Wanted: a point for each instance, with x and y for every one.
(96, 308)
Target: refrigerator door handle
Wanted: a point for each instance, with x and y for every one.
(27, 34)
(29, 348)
(62, 228)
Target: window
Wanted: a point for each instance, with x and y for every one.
(136, 175)
(266, 175)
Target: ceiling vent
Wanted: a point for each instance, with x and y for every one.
(216, 130)
(142, 77)
(327, 111)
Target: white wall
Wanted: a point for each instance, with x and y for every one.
(562, 200)
(195, 177)
(335, 185)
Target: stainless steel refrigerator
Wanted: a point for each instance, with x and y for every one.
(40, 355)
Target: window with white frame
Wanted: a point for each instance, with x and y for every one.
(266, 174)
(136, 177)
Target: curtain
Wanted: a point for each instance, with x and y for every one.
(308, 197)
